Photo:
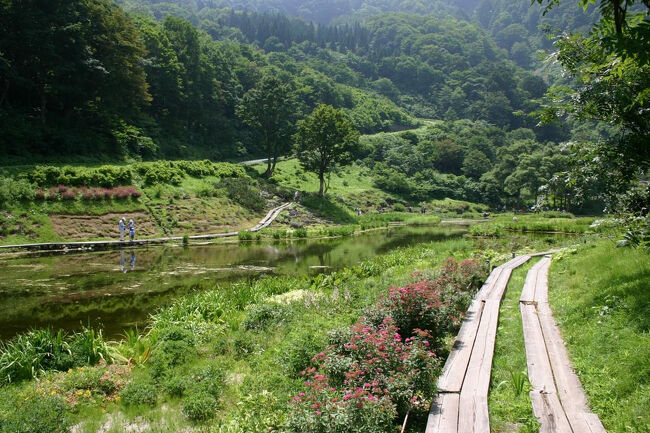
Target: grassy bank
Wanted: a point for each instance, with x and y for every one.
(600, 299)
(546, 222)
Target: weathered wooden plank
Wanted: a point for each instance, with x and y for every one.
(443, 415)
(487, 287)
(528, 292)
(541, 283)
(548, 411)
(453, 373)
(592, 420)
(540, 373)
(496, 294)
(568, 384)
(473, 395)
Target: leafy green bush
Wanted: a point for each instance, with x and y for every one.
(200, 406)
(399, 207)
(12, 190)
(242, 192)
(139, 394)
(86, 378)
(245, 235)
(106, 176)
(159, 172)
(34, 413)
(279, 234)
(299, 348)
(300, 233)
(176, 385)
(174, 346)
(261, 316)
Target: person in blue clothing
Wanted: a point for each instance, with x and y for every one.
(131, 229)
(122, 226)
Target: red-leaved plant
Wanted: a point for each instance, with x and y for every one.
(378, 369)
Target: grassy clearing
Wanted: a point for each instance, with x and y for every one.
(508, 222)
(509, 402)
(599, 296)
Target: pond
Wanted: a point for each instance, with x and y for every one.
(119, 289)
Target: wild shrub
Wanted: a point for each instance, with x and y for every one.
(557, 214)
(300, 233)
(88, 378)
(176, 384)
(399, 207)
(12, 190)
(298, 350)
(174, 347)
(33, 412)
(382, 366)
(245, 235)
(199, 406)
(243, 192)
(106, 176)
(139, 394)
(279, 234)
(261, 316)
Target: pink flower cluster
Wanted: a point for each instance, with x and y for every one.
(386, 362)
(97, 193)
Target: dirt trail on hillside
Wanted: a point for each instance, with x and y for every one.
(100, 226)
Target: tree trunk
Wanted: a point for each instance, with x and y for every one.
(269, 169)
(321, 177)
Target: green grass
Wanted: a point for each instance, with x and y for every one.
(600, 299)
(503, 223)
(509, 402)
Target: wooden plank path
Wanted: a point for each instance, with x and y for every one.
(93, 245)
(461, 403)
(559, 402)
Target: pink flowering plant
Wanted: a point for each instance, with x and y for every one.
(386, 364)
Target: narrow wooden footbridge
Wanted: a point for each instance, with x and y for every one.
(558, 400)
(98, 245)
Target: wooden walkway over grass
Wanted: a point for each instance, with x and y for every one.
(97, 245)
(461, 405)
(559, 402)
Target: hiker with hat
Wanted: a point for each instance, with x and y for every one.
(122, 226)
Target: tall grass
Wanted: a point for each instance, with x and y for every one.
(532, 223)
(28, 355)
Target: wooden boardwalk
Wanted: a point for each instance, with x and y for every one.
(461, 404)
(96, 245)
(559, 402)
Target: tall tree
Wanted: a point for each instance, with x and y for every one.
(325, 139)
(271, 108)
(612, 66)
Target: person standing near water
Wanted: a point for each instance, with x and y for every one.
(122, 226)
(131, 230)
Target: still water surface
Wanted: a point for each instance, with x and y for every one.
(120, 288)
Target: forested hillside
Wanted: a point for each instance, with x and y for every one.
(108, 85)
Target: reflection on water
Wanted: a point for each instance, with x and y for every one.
(112, 288)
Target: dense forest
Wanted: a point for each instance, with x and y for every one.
(94, 80)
